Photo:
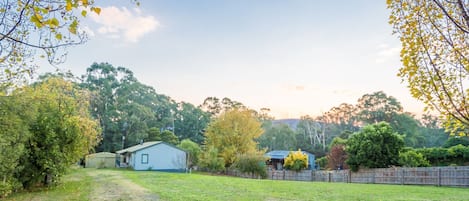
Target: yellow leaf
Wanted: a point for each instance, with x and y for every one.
(58, 36)
(68, 6)
(83, 13)
(96, 10)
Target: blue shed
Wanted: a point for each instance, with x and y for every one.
(277, 158)
(155, 155)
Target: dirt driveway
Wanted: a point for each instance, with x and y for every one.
(111, 185)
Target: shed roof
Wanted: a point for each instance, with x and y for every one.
(282, 154)
(138, 147)
(102, 154)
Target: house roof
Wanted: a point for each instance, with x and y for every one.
(282, 154)
(138, 147)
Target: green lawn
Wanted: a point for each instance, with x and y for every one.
(172, 186)
(79, 185)
(74, 186)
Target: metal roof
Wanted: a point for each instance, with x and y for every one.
(138, 147)
(282, 154)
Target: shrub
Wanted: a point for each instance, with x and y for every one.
(453, 141)
(253, 164)
(413, 159)
(211, 162)
(296, 161)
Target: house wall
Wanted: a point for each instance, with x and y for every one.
(160, 157)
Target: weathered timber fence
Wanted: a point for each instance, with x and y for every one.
(438, 176)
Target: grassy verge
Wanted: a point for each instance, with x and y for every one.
(172, 186)
(74, 186)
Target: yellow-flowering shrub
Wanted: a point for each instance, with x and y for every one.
(296, 161)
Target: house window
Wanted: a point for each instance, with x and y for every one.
(144, 158)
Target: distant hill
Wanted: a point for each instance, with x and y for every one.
(292, 123)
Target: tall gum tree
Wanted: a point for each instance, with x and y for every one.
(435, 55)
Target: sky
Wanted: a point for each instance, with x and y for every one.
(296, 57)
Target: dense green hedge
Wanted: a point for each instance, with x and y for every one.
(455, 155)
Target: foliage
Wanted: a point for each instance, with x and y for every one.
(438, 156)
(434, 55)
(296, 160)
(193, 150)
(15, 116)
(338, 141)
(377, 107)
(453, 141)
(62, 131)
(190, 122)
(47, 26)
(336, 157)
(322, 162)
(411, 158)
(211, 161)
(214, 106)
(45, 128)
(375, 146)
(252, 163)
(232, 134)
(278, 137)
(125, 107)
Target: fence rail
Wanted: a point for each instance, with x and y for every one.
(437, 176)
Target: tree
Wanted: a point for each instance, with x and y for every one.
(215, 107)
(190, 122)
(375, 146)
(336, 157)
(30, 25)
(377, 107)
(193, 150)
(15, 118)
(62, 131)
(435, 55)
(232, 134)
(278, 137)
(125, 108)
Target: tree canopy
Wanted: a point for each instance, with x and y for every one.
(435, 56)
(375, 146)
(30, 25)
(233, 133)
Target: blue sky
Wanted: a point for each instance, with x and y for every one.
(296, 57)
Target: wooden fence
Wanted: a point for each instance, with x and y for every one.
(437, 176)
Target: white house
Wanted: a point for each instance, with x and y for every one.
(155, 155)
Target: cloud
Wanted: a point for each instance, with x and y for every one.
(122, 23)
(385, 53)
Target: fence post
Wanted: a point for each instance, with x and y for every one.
(349, 176)
(402, 176)
(329, 176)
(439, 176)
(283, 174)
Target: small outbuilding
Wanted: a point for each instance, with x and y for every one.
(155, 155)
(277, 159)
(100, 160)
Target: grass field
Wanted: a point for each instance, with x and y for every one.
(203, 187)
(79, 185)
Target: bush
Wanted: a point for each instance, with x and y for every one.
(211, 162)
(296, 161)
(252, 163)
(322, 162)
(453, 141)
(413, 159)
(438, 156)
